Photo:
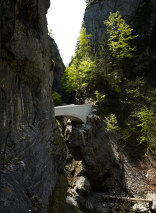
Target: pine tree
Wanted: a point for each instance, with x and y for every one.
(120, 34)
(80, 73)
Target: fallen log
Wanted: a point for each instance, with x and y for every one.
(127, 199)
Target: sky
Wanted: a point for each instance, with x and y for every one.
(65, 19)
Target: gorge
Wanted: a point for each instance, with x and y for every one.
(51, 166)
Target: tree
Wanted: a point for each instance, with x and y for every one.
(83, 45)
(147, 123)
(81, 71)
(119, 36)
(57, 98)
(79, 75)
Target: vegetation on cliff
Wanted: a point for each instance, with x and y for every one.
(105, 67)
(79, 75)
(119, 36)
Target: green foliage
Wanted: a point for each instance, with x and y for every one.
(119, 36)
(147, 123)
(80, 74)
(59, 125)
(100, 98)
(84, 47)
(138, 98)
(56, 98)
(113, 55)
(129, 134)
(87, 70)
(104, 70)
(70, 78)
(141, 129)
(135, 94)
(135, 88)
(111, 122)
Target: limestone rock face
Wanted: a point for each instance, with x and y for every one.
(98, 11)
(58, 64)
(93, 163)
(32, 147)
(97, 167)
(140, 15)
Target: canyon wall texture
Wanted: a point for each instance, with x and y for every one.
(141, 16)
(33, 150)
(59, 67)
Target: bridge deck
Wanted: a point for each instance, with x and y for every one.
(78, 111)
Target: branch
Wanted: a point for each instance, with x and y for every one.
(126, 199)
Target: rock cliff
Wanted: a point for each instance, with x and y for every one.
(93, 164)
(59, 67)
(141, 15)
(33, 150)
(135, 11)
(100, 174)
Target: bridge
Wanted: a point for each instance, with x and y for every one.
(74, 112)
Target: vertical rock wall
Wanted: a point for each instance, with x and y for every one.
(32, 147)
(59, 67)
(135, 10)
(141, 15)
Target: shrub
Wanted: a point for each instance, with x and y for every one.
(147, 123)
(100, 98)
(111, 123)
(56, 98)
